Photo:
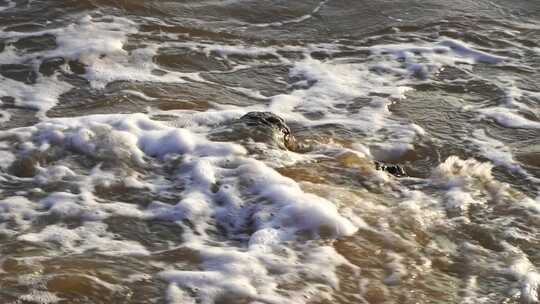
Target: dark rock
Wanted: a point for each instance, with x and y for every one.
(393, 169)
(268, 127)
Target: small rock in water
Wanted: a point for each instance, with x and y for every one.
(393, 169)
(267, 125)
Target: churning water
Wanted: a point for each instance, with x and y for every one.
(121, 181)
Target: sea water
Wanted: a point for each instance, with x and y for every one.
(121, 180)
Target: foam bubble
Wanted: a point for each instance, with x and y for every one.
(98, 43)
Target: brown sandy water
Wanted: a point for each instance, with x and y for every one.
(424, 84)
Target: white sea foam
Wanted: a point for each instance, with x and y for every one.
(455, 172)
(508, 118)
(6, 159)
(250, 196)
(494, 150)
(43, 95)
(228, 274)
(467, 182)
(459, 200)
(90, 236)
(464, 50)
(277, 236)
(98, 43)
(40, 297)
(500, 154)
(328, 87)
(524, 272)
(17, 214)
(53, 174)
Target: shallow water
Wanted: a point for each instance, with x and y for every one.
(123, 180)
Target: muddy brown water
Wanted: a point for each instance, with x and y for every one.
(414, 248)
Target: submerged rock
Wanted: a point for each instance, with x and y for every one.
(265, 127)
